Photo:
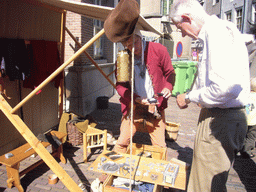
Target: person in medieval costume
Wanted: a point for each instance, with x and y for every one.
(154, 77)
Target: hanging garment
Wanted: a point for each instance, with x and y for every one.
(16, 58)
(46, 60)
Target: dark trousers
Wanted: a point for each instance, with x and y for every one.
(249, 142)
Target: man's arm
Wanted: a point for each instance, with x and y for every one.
(168, 72)
(223, 66)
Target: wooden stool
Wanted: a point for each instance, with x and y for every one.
(21, 153)
(94, 138)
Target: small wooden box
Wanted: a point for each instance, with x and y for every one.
(107, 186)
(156, 152)
(171, 131)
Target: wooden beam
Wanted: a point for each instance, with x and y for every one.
(91, 59)
(40, 4)
(38, 146)
(111, 73)
(57, 71)
(62, 54)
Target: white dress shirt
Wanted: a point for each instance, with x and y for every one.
(223, 67)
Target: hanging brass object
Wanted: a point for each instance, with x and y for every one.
(123, 66)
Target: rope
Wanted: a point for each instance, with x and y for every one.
(132, 106)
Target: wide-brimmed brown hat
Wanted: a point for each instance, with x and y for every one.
(120, 23)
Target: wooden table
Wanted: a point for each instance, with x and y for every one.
(144, 169)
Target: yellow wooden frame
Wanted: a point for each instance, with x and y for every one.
(94, 138)
(27, 133)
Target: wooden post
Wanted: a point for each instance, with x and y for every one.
(57, 71)
(38, 146)
(89, 57)
(62, 53)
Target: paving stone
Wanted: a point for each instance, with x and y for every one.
(241, 178)
(44, 187)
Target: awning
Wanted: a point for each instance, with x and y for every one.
(95, 12)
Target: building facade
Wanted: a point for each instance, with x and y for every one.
(240, 12)
(83, 82)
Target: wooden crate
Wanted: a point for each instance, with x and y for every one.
(171, 130)
(156, 152)
(107, 186)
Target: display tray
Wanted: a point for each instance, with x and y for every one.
(142, 169)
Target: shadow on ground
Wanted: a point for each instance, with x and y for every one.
(109, 118)
(246, 170)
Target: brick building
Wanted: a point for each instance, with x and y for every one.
(83, 82)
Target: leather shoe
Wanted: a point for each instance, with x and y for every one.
(247, 155)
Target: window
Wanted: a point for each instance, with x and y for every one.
(98, 45)
(229, 16)
(201, 2)
(214, 2)
(165, 6)
(254, 12)
(239, 17)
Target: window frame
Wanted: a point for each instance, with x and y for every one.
(98, 46)
(228, 13)
(239, 18)
(214, 2)
(253, 16)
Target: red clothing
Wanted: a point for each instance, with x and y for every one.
(160, 69)
(46, 60)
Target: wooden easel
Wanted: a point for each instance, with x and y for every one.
(27, 133)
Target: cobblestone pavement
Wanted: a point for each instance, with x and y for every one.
(242, 176)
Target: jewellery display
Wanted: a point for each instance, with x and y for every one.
(142, 169)
(154, 177)
(103, 159)
(171, 173)
(110, 167)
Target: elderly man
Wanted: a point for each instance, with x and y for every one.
(221, 89)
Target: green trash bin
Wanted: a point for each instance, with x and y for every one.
(192, 68)
(180, 68)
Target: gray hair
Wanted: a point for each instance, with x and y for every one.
(186, 7)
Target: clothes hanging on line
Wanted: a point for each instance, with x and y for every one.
(32, 63)
(16, 58)
(45, 59)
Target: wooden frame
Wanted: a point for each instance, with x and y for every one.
(27, 133)
(91, 59)
(23, 152)
(94, 138)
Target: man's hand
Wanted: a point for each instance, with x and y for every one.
(181, 102)
(166, 93)
(144, 101)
